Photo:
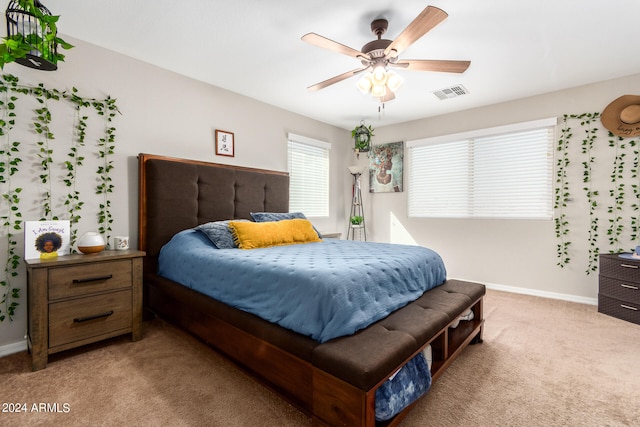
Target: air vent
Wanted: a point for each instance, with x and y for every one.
(451, 92)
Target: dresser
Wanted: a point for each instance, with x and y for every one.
(78, 299)
(619, 287)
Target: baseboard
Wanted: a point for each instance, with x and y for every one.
(15, 347)
(538, 293)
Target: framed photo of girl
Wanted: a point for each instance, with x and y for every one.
(224, 143)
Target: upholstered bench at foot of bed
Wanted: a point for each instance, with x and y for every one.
(366, 359)
(373, 353)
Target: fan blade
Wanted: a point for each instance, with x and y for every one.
(336, 79)
(421, 25)
(442, 65)
(325, 43)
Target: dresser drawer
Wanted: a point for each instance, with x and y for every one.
(89, 278)
(620, 309)
(619, 289)
(83, 318)
(620, 268)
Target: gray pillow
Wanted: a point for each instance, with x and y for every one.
(218, 232)
(279, 216)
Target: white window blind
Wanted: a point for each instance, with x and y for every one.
(308, 163)
(495, 173)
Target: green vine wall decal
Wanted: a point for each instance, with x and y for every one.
(562, 195)
(635, 187)
(591, 194)
(617, 194)
(622, 211)
(36, 105)
(75, 161)
(41, 126)
(12, 217)
(108, 109)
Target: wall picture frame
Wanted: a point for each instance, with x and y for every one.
(386, 166)
(225, 145)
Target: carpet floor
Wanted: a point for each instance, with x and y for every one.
(542, 363)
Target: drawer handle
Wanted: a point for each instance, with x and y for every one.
(629, 266)
(93, 279)
(95, 316)
(624, 285)
(628, 307)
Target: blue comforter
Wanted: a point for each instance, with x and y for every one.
(323, 290)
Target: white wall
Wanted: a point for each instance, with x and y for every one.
(164, 113)
(513, 254)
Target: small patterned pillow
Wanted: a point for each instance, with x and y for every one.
(219, 233)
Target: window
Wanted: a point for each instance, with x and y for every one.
(308, 163)
(494, 173)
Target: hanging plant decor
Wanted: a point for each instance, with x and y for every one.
(11, 216)
(616, 225)
(362, 137)
(107, 109)
(622, 213)
(74, 162)
(41, 127)
(562, 196)
(36, 130)
(635, 187)
(32, 38)
(591, 194)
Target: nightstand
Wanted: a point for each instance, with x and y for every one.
(619, 293)
(79, 299)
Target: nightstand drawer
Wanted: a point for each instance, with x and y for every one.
(619, 268)
(619, 289)
(621, 309)
(89, 278)
(83, 318)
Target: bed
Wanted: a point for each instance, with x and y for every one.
(335, 377)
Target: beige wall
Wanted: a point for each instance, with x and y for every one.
(164, 113)
(515, 255)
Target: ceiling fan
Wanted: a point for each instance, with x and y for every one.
(379, 54)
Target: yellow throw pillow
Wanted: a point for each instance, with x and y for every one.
(251, 235)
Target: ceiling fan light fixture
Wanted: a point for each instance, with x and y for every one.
(379, 91)
(394, 81)
(379, 75)
(376, 55)
(365, 83)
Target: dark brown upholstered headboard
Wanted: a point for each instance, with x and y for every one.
(176, 194)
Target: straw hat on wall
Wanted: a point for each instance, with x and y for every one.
(622, 116)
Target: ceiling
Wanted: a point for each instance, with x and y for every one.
(517, 49)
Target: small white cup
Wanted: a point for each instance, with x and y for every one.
(121, 243)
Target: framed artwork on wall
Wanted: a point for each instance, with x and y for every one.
(386, 168)
(224, 143)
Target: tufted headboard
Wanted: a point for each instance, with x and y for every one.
(176, 194)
